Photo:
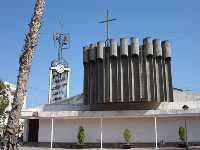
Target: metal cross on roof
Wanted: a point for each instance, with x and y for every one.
(106, 21)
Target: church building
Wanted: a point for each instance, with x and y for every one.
(127, 85)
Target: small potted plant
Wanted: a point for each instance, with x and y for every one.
(81, 137)
(181, 133)
(127, 137)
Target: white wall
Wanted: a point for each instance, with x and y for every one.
(142, 129)
(44, 134)
(26, 129)
(66, 130)
(168, 128)
(194, 129)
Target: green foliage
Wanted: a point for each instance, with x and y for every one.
(4, 102)
(81, 136)
(127, 135)
(3, 117)
(181, 133)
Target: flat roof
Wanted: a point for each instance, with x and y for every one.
(31, 114)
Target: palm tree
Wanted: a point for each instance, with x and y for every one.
(22, 79)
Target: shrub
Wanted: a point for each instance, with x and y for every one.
(81, 136)
(127, 135)
(181, 134)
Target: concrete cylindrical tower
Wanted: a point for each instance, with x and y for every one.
(113, 47)
(100, 50)
(134, 46)
(124, 46)
(123, 68)
(168, 88)
(166, 46)
(92, 74)
(157, 47)
(85, 54)
(85, 63)
(92, 55)
(149, 67)
(158, 70)
(100, 72)
(134, 74)
(113, 70)
(148, 46)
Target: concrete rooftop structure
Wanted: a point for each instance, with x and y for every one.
(127, 74)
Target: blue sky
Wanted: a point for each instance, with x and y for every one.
(174, 20)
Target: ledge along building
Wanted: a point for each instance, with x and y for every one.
(126, 85)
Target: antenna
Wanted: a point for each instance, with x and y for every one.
(54, 40)
(61, 25)
(62, 40)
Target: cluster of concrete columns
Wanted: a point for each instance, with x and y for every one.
(127, 72)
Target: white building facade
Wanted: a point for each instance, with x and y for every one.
(11, 93)
(58, 124)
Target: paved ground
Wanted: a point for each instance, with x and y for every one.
(40, 148)
(167, 148)
(79, 149)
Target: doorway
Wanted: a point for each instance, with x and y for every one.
(33, 130)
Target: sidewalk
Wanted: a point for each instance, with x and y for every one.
(166, 148)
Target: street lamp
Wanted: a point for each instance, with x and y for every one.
(185, 108)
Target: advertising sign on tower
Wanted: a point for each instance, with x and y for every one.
(59, 83)
(59, 71)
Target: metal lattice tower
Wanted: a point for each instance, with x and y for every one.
(63, 41)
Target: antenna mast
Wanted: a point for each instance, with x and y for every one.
(63, 42)
(59, 71)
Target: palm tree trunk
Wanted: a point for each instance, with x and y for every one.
(22, 79)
